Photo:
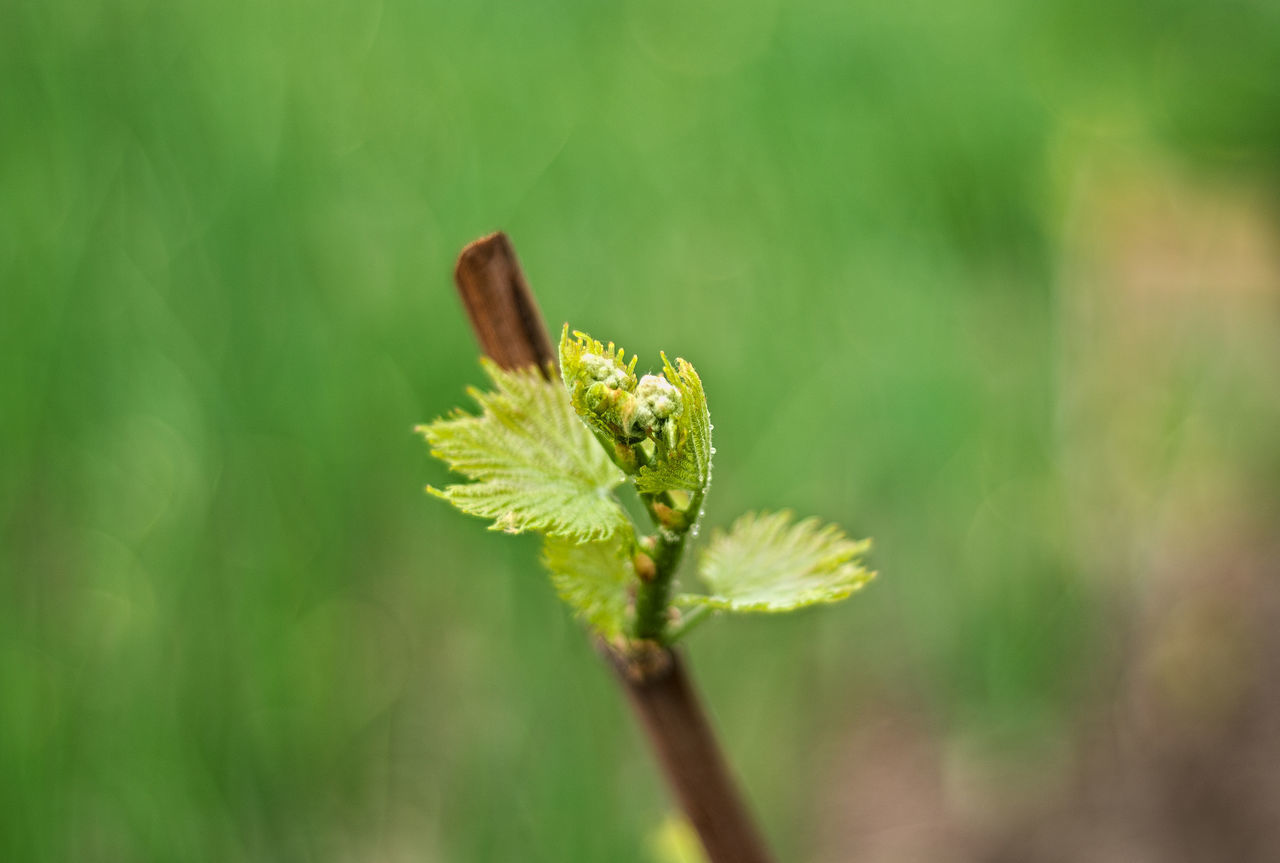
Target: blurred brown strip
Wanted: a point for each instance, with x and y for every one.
(501, 307)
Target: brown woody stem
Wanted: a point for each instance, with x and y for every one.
(663, 698)
(506, 320)
(503, 312)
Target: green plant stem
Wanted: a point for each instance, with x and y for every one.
(653, 596)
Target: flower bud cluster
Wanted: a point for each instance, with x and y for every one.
(607, 372)
(658, 403)
(606, 393)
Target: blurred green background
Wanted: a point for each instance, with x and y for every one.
(995, 283)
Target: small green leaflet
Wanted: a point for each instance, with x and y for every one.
(593, 578)
(687, 465)
(533, 464)
(766, 563)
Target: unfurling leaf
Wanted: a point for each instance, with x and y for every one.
(601, 386)
(682, 462)
(592, 578)
(766, 563)
(533, 464)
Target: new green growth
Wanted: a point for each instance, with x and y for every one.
(550, 458)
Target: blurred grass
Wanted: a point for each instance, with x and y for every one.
(231, 625)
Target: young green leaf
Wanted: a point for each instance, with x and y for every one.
(684, 463)
(766, 563)
(592, 578)
(533, 464)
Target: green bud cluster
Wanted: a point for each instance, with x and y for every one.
(608, 373)
(605, 392)
(658, 404)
